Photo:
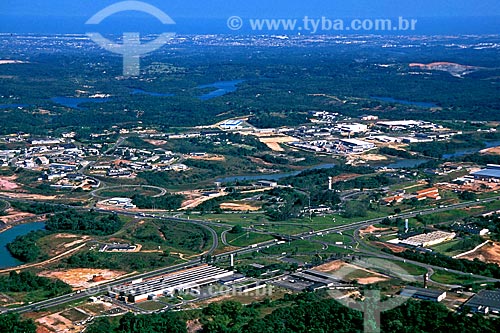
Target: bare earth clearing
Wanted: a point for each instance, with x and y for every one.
(490, 253)
(81, 278)
(347, 271)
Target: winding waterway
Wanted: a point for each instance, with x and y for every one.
(7, 236)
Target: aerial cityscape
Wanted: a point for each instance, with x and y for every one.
(240, 180)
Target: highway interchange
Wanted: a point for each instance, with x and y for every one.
(256, 247)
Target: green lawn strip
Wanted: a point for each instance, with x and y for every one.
(444, 277)
(399, 268)
(296, 247)
(150, 305)
(445, 248)
(246, 238)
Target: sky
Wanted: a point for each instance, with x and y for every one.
(60, 16)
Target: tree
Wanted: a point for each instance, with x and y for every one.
(467, 196)
(13, 323)
(355, 209)
(237, 229)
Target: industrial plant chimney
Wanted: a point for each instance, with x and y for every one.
(426, 279)
(330, 183)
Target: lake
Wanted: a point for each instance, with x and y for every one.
(6, 237)
(74, 102)
(405, 164)
(9, 106)
(469, 151)
(271, 176)
(405, 102)
(149, 93)
(222, 88)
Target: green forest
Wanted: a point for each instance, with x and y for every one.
(303, 313)
(329, 77)
(89, 223)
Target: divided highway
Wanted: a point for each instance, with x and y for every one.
(206, 224)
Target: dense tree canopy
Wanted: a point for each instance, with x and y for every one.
(13, 323)
(84, 222)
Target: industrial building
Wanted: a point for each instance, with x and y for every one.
(491, 173)
(169, 284)
(430, 193)
(231, 125)
(352, 128)
(430, 239)
(320, 280)
(117, 248)
(424, 294)
(311, 280)
(267, 183)
(485, 301)
(125, 203)
(399, 124)
(356, 146)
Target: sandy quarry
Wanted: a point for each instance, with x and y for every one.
(8, 184)
(273, 142)
(28, 196)
(56, 323)
(489, 253)
(80, 278)
(14, 215)
(238, 206)
(156, 142)
(392, 247)
(373, 157)
(491, 151)
(344, 270)
(371, 230)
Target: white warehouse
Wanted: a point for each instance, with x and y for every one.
(187, 279)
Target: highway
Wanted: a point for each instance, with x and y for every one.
(357, 225)
(106, 286)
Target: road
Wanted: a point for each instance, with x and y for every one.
(357, 225)
(117, 144)
(107, 286)
(94, 193)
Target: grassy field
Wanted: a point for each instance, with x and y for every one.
(150, 305)
(167, 235)
(257, 219)
(333, 238)
(296, 247)
(397, 267)
(451, 278)
(128, 192)
(445, 248)
(242, 219)
(74, 315)
(246, 239)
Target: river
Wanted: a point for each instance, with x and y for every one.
(469, 151)
(74, 102)
(404, 102)
(223, 87)
(271, 176)
(6, 237)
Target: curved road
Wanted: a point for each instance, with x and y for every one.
(161, 189)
